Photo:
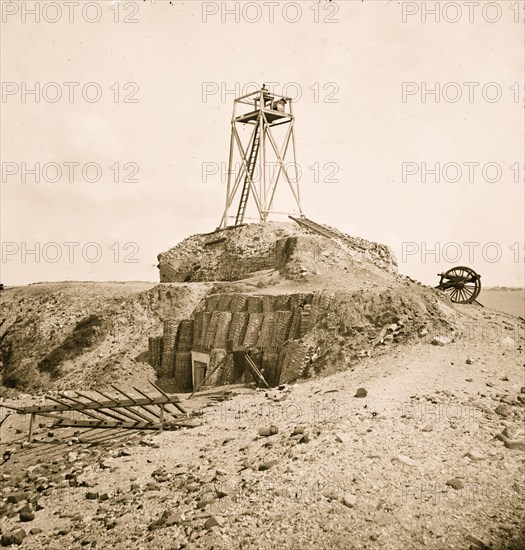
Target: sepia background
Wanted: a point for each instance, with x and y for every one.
(345, 63)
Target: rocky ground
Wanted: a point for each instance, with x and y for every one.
(430, 456)
(412, 437)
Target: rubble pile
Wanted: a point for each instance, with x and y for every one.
(236, 253)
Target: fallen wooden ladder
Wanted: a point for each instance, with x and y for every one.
(327, 231)
(123, 411)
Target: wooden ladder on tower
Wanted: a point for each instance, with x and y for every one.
(252, 160)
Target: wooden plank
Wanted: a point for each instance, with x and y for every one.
(31, 428)
(67, 423)
(117, 414)
(256, 371)
(61, 406)
(176, 403)
(68, 408)
(129, 413)
(143, 406)
(162, 407)
(171, 402)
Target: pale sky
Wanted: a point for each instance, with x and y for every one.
(349, 62)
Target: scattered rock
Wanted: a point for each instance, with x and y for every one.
(440, 341)
(26, 514)
(266, 431)
(427, 428)
(508, 399)
(513, 444)
(455, 483)
(469, 361)
(13, 537)
(512, 432)
(214, 521)
(267, 465)
(175, 518)
(330, 494)
(474, 455)
(404, 460)
(226, 489)
(349, 500)
(503, 410)
(479, 543)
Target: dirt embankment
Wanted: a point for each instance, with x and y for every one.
(430, 455)
(76, 335)
(404, 431)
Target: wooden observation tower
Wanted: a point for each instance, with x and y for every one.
(264, 162)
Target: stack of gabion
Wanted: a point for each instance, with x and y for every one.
(155, 352)
(185, 335)
(238, 327)
(227, 322)
(169, 340)
(293, 361)
(252, 329)
(183, 378)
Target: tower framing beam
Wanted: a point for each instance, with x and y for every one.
(262, 110)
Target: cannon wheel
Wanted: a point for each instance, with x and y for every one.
(462, 284)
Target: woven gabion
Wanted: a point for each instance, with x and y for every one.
(295, 325)
(212, 302)
(282, 302)
(224, 302)
(182, 373)
(238, 327)
(252, 329)
(238, 303)
(198, 327)
(155, 344)
(282, 327)
(211, 329)
(185, 335)
(265, 337)
(292, 362)
(268, 303)
(254, 304)
(169, 340)
(223, 327)
(230, 375)
(216, 355)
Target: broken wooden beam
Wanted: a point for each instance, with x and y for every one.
(255, 371)
(61, 406)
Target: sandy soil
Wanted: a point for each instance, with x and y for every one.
(416, 463)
